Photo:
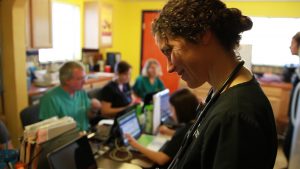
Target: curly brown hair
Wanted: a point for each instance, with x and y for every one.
(190, 19)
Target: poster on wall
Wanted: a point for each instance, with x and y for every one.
(106, 13)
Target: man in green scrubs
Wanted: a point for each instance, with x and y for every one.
(69, 99)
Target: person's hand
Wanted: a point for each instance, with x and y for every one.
(131, 140)
(165, 130)
(95, 104)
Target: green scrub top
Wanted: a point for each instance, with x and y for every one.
(143, 86)
(57, 102)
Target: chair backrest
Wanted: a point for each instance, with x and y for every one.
(94, 93)
(30, 115)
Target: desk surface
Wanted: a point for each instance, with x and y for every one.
(105, 163)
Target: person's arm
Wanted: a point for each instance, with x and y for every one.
(137, 87)
(7, 145)
(5, 142)
(159, 158)
(161, 86)
(108, 111)
(166, 131)
(95, 107)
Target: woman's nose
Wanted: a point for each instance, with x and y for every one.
(170, 67)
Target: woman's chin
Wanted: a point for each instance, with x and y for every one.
(192, 84)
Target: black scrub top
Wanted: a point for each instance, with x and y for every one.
(111, 93)
(238, 132)
(173, 145)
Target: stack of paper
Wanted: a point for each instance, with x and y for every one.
(41, 132)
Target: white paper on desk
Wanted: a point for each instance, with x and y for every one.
(106, 122)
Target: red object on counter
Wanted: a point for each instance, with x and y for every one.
(107, 68)
(20, 165)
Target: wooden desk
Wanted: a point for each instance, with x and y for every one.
(35, 92)
(106, 163)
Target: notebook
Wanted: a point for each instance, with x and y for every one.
(128, 124)
(77, 154)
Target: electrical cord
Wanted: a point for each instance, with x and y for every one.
(120, 149)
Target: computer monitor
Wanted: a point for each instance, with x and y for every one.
(128, 124)
(161, 109)
(76, 154)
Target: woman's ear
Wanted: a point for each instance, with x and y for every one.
(206, 37)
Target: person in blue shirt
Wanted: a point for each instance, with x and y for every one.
(149, 81)
(69, 99)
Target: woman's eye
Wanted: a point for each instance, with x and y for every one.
(168, 53)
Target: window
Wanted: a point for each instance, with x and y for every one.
(65, 33)
(270, 39)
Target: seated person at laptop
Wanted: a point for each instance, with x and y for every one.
(69, 99)
(149, 81)
(116, 95)
(183, 107)
(5, 142)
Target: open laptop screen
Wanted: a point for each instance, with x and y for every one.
(128, 124)
(165, 106)
(75, 155)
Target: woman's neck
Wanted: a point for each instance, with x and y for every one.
(222, 69)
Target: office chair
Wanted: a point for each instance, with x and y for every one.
(94, 93)
(30, 115)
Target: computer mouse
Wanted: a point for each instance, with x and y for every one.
(142, 163)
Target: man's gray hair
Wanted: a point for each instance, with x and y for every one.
(66, 71)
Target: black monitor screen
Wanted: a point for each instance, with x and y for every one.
(76, 155)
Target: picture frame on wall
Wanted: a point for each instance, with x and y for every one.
(106, 25)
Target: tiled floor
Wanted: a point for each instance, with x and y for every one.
(280, 159)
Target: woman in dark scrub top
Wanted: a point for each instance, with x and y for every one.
(116, 95)
(199, 39)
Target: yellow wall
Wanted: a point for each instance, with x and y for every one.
(127, 30)
(13, 64)
(128, 16)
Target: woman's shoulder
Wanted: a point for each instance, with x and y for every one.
(141, 78)
(111, 84)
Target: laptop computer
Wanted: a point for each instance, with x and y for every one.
(77, 154)
(128, 124)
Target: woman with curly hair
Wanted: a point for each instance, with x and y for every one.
(236, 129)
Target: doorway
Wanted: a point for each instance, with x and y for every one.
(150, 50)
